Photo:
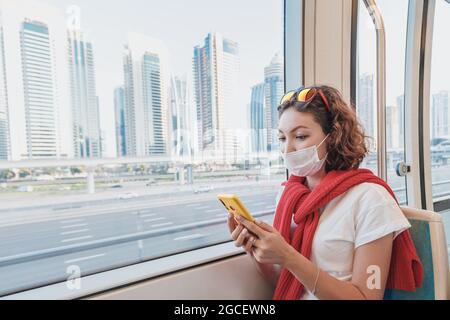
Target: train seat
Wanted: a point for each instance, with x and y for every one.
(428, 234)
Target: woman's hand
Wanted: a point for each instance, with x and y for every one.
(269, 271)
(269, 246)
(241, 236)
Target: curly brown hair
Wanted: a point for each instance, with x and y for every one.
(347, 142)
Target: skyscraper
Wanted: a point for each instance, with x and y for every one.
(440, 115)
(183, 119)
(146, 96)
(401, 120)
(86, 122)
(220, 113)
(119, 110)
(365, 105)
(4, 128)
(39, 91)
(274, 89)
(392, 128)
(34, 82)
(257, 118)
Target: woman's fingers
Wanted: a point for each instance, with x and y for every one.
(231, 223)
(240, 234)
(241, 238)
(249, 244)
(236, 232)
(253, 227)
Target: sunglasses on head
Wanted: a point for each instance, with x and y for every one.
(305, 95)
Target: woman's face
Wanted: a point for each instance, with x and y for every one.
(298, 130)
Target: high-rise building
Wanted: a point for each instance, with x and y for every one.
(365, 106)
(440, 115)
(257, 118)
(119, 111)
(392, 128)
(401, 120)
(274, 89)
(86, 122)
(183, 118)
(39, 91)
(4, 127)
(34, 82)
(220, 113)
(146, 96)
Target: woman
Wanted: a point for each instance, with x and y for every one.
(336, 227)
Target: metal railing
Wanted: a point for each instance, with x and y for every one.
(381, 85)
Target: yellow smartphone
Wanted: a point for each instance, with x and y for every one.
(234, 205)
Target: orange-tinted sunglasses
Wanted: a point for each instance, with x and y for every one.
(305, 95)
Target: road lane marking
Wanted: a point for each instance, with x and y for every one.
(72, 220)
(161, 224)
(202, 207)
(221, 214)
(84, 258)
(76, 239)
(74, 225)
(155, 219)
(145, 210)
(74, 231)
(191, 236)
(148, 215)
(213, 210)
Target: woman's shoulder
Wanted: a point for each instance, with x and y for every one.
(373, 205)
(368, 194)
(375, 213)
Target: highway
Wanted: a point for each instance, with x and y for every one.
(126, 218)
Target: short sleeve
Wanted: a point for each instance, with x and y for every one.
(378, 222)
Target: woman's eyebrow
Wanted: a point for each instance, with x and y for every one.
(298, 127)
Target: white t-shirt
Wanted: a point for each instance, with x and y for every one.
(366, 212)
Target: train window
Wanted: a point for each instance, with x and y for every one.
(439, 104)
(395, 15)
(118, 129)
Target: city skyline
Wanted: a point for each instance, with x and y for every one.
(84, 100)
(261, 39)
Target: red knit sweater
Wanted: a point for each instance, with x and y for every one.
(406, 271)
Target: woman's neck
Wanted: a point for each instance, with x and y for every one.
(314, 180)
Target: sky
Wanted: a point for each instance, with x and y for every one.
(440, 61)
(256, 25)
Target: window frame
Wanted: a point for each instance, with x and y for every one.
(417, 97)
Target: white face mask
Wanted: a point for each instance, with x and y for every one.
(304, 162)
